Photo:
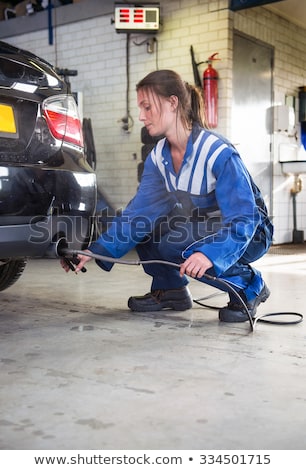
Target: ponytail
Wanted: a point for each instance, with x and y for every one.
(197, 108)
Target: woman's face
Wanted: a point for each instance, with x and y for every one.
(157, 113)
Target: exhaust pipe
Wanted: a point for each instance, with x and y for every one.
(57, 249)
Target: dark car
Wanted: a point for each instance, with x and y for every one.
(47, 188)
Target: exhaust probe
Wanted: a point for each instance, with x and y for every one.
(71, 259)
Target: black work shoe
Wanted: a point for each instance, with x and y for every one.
(234, 312)
(174, 299)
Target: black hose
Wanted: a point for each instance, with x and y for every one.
(224, 285)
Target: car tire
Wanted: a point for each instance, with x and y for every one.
(10, 272)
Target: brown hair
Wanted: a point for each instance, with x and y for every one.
(166, 83)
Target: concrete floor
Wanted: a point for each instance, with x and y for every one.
(80, 371)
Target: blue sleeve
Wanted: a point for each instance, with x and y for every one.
(138, 219)
(240, 216)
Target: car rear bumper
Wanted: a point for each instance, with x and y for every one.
(39, 206)
(36, 239)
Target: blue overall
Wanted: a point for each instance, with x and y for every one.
(212, 206)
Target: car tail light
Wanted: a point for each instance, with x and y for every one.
(63, 119)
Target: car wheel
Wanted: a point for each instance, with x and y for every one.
(10, 272)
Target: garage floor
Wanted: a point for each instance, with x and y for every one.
(80, 371)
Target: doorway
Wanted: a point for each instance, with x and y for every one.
(252, 100)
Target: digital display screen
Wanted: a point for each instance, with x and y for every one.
(140, 18)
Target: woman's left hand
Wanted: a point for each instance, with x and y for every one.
(196, 265)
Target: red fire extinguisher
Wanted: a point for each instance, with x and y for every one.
(210, 86)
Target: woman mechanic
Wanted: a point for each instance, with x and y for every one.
(196, 206)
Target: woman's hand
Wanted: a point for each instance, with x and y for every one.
(82, 261)
(196, 265)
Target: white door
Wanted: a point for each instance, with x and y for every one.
(252, 99)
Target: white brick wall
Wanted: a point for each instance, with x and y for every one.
(99, 54)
